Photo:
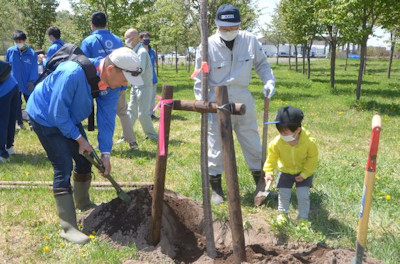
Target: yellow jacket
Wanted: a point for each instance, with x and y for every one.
(301, 158)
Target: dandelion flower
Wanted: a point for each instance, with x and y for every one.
(93, 232)
(377, 177)
(91, 236)
(388, 197)
(46, 249)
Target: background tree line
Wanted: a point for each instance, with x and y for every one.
(339, 22)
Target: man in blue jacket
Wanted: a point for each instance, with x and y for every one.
(54, 34)
(100, 43)
(23, 60)
(58, 106)
(8, 103)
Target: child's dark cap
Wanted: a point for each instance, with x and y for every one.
(289, 115)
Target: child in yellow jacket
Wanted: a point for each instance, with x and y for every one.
(295, 155)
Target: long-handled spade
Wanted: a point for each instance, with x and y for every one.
(262, 190)
(96, 161)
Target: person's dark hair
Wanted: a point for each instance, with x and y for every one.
(99, 19)
(289, 117)
(144, 34)
(54, 31)
(40, 52)
(19, 35)
(291, 127)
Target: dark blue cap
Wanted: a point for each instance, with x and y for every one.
(227, 16)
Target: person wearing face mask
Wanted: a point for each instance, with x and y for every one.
(295, 155)
(140, 97)
(54, 34)
(23, 60)
(232, 53)
(56, 109)
(145, 37)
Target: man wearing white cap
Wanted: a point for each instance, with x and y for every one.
(231, 55)
(57, 107)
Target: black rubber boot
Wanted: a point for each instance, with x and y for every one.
(217, 196)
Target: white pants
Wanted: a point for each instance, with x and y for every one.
(153, 99)
(139, 107)
(126, 123)
(245, 128)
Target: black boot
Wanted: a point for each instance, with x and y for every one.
(217, 196)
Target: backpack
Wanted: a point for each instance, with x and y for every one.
(71, 52)
(5, 70)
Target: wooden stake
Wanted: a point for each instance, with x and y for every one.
(161, 168)
(207, 107)
(228, 149)
(208, 223)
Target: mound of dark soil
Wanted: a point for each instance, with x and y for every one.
(182, 238)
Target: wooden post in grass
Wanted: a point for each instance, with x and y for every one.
(369, 181)
(228, 149)
(161, 168)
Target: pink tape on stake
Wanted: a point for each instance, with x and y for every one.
(161, 136)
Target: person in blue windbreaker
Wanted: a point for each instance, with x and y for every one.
(8, 103)
(100, 43)
(23, 60)
(56, 109)
(54, 34)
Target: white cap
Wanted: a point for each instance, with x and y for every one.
(128, 61)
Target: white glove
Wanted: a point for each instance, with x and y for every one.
(269, 87)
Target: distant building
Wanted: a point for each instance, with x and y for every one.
(319, 48)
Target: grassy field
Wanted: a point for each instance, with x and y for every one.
(29, 226)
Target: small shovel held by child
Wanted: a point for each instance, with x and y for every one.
(96, 161)
(262, 195)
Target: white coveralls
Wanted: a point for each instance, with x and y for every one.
(140, 97)
(233, 69)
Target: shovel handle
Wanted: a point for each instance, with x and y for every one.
(268, 184)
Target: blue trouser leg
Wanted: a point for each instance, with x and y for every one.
(7, 121)
(61, 151)
(18, 109)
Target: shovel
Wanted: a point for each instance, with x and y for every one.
(96, 161)
(262, 195)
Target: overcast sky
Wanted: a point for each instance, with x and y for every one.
(267, 9)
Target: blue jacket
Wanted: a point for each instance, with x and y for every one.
(64, 99)
(7, 85)
(24, 66)
(92, 47)
(53, 48)
(153, 57)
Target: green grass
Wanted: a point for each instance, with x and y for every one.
(28, 221)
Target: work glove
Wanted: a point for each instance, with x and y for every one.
(30, 86)
(269, 87)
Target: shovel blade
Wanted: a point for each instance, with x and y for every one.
(124, 197)
(260, 198)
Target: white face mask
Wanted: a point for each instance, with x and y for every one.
(228, 35)
(128, 43)
(20, 45)
(288, 138)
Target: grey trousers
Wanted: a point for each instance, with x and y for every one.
(303, 198)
